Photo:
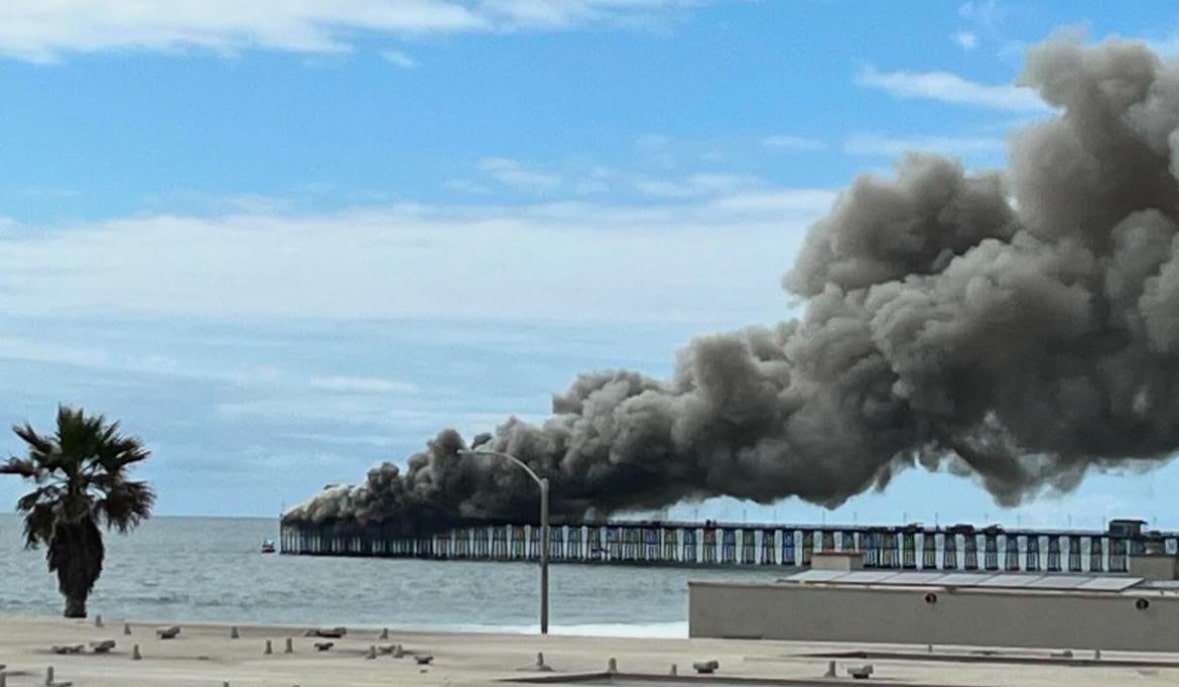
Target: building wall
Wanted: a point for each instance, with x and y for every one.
(902, 616)
(1155, 567)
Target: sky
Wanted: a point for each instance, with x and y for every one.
(285, 241)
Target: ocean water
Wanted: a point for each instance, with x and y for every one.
(210, 569)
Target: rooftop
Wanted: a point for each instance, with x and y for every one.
(1061, 582)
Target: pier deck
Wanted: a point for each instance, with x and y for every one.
(914, 547)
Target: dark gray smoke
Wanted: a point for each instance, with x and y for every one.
(1019, 327)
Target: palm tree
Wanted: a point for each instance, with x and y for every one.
(81, 477)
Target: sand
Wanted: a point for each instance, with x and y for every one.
(205, 654)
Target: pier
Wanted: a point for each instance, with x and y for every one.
(912, 547)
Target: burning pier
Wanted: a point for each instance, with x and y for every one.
(911, 547)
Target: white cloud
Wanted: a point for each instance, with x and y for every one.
(696, 185)
(253, 202)
(515, 173)
(362, 385)
(512, 172)
(873, 144)
(951, 88)
(664, 188)
(308, 408)
(398, 59)
(352, 439)
(785, 201)
(965, 40)
(982, 12)
(567, 13)
(552, 261)
(418, 417)
(466, 186)
(783, 142)
(23, 350)
(44, 30)
(46, 351)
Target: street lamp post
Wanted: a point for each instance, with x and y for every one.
(543, 483)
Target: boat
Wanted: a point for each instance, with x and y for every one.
(267, 546)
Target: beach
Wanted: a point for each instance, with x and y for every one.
(478, 621)
(205, 654)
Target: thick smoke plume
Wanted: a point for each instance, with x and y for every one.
(1017, 326)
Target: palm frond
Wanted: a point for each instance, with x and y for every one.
(82, 472)
(40, 521)
(52, 493)
(23, 467)
(77, 439)
(40, 448)
(125, 504)
(115, 452)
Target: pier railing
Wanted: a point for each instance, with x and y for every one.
(693, 544)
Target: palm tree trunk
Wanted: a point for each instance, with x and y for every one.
(75, 607)
(76, 554)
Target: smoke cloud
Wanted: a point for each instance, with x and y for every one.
(1020, 327)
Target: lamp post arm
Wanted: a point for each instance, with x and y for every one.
(507, 456)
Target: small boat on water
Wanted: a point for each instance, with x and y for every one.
(267, 546)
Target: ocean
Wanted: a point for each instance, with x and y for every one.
(211, 569)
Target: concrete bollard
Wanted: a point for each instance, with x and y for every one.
(384, 633)
(126, 628)
(268, 650)
(398, 652)
(135, 653)
(372, 653)
(830, 669)
(674, 670)
(98, 620)
(49, 676)
(1097, 654)
(540, 664)
(233, 633)
(612, 666)
(290, 648)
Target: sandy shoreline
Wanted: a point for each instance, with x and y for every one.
(204, 654)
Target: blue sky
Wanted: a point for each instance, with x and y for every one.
(284, 241)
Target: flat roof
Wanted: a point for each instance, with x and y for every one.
(980, 580)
